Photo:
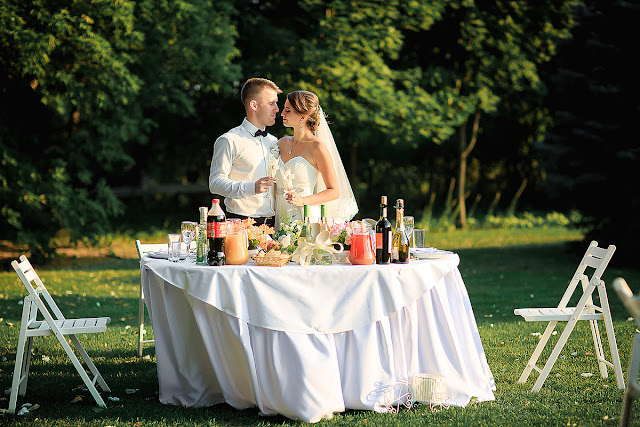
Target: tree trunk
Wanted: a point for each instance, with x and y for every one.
(462, 171)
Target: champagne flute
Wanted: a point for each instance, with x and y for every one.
(272, 169)
(188, 230)
(409, 223)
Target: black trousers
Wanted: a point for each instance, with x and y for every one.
(270, 221)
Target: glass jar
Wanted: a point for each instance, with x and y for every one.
(362, 244)
(236, 244)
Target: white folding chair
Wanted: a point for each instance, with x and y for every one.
(598, 259)
(632, 391)
(54, 323)
(142, 249)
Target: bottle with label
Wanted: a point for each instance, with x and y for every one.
(400, 246)
(324, 224)
(216, 232)
(383, 235)
(201, 248)
(305, 233)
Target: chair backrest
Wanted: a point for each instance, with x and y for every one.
(632, 302)
(143, 248)
(29, 278)
(596, 258)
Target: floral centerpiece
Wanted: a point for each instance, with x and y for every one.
(288, 233)
(341, 233)
(259, 236)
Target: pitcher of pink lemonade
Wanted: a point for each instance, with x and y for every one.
(236, 244)
(362, 244)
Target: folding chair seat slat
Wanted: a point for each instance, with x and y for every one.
(54, 323)
(598, 259)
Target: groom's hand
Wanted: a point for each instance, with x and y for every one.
(263, 184)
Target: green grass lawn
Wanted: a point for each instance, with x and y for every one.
(502, 270)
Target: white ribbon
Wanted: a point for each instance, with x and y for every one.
(303, 254)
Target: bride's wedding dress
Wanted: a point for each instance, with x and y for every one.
(307, 180)
(303, 180)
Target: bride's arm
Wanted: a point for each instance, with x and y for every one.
(324, 164)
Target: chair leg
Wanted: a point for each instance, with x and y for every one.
(597, 343)
(537, 352)
(632, 387)
(80, 369)
(25, 366)
(20, 356)
(90, 364)
(613, 346)
(140, 321)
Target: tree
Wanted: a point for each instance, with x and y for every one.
(83, 83)
(591, 154)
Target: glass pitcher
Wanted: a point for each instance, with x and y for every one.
(236, 244)
(362, 244)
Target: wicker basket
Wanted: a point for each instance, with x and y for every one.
(266, 261)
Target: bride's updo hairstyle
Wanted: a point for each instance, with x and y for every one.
(305, 102)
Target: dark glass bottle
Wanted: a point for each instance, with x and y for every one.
(216, 232)
(383, 235)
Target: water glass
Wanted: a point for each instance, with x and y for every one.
(174, 241)
(419, 238)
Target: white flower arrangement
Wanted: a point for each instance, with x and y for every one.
(288, 233)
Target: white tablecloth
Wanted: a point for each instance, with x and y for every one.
(306, 342)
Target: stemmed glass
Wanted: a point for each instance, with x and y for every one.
(272, 169)
(188, 230)
(409, 223)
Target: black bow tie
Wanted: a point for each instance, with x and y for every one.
(261, 133)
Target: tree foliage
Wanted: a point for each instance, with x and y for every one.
(78, 81)
(97, 94)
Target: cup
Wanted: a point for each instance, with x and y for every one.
(174, 242)
(420, 237)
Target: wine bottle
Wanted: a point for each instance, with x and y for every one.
(305, 233)
(324, 225)
(400, 247)
(201, 248)
(383, 235)
(216, 232)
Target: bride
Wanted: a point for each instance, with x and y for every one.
(310, 165)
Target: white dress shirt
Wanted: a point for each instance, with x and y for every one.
(239, 160)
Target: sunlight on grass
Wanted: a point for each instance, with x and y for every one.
(502, 270)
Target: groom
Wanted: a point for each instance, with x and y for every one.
(241, 156)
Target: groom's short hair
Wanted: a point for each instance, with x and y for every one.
(253, 86)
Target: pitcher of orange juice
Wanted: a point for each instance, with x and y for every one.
(236, 244)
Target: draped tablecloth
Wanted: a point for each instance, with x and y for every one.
(306, 342)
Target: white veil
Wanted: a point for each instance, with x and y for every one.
(345, 207)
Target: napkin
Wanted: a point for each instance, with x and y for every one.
(430, 252)
(163, 254)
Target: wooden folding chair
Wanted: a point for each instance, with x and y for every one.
(142, 249)
(54, 323)
(632, 391)
(598, 259)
